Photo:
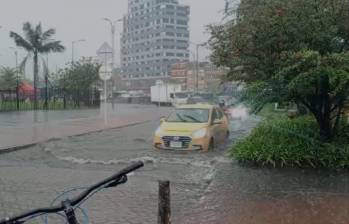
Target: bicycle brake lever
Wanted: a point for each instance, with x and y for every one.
(117, 182)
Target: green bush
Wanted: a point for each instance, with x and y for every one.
(285, 142)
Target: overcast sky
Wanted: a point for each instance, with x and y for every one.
(81, 19)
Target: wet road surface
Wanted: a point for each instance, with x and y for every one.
(20, 129)
(205, 187)
(29, 118)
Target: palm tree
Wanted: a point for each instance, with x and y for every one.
(36, 42)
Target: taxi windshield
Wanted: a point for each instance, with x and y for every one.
(190, 115)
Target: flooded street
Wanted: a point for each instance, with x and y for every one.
(205, 187)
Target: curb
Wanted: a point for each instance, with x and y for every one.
(22, 147)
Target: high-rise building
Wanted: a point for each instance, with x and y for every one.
(155, 36)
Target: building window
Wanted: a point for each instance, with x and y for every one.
(182, 41)
(182, 22)
(170, 7)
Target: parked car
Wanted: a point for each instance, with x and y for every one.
(192, 127)
(196, 99)
(180, 98)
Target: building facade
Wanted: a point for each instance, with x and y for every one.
(205, 77)
(155, 36)
(179, 73)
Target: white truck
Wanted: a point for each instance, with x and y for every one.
(164, 93)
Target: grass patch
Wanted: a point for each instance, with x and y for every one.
(295, 143)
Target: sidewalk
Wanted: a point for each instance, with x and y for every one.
(16, 137)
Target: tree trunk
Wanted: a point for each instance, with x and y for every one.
(36, 71)
(325, 130)
(325, 123)
(301, 109)
(337, 119)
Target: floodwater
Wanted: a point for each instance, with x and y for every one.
(205, 187)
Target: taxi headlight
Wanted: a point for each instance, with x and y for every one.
(199, 133)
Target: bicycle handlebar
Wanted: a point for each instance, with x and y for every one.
(76, 200)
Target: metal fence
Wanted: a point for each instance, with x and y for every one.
(52, 99)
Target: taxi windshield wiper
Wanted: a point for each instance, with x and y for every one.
(181, 118)
(192, 118)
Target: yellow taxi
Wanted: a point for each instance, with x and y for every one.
(192, 127)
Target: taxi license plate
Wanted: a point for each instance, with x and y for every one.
(175, 144)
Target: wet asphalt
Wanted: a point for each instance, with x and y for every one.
(205, 187)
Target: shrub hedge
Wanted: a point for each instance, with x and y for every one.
(285, 142)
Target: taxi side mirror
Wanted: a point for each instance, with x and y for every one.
(162, 120)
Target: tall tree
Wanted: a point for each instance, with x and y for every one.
(8, 78)
(261, 31)
(36, 42)
(291, 50)
(79, 78)
(320, 83)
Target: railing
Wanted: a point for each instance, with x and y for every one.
(55, 99)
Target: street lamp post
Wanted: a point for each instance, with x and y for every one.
(73, 48)
(64, 93)
(113, 29)
(46, 83)
(197, 46)
(197, 68)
